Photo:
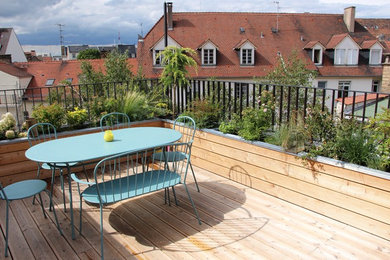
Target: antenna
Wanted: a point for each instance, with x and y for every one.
(61, 37)
(142, 30)
(119, 38)
(277, 14)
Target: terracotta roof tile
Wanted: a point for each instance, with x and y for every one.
(335, 40)
(14, 70)
(223, 29)
(360, 98)
(62, 70)
(368, 44)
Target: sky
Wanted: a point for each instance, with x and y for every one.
(100, 22)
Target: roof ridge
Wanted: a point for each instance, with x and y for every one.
(262, 13)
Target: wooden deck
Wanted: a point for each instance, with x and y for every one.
(238, 223)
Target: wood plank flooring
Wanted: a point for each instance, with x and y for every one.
(237, 223)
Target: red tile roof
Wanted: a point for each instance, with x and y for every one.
(62, 70)
(335, 40)
(360, 98)
(13, 70)
(368, 44)
(311, 44)
(223, 29)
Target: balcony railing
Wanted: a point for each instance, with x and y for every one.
(233, 97)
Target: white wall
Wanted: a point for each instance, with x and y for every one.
(357, 83)
(48, 50)
(15, 49)
(8, 81)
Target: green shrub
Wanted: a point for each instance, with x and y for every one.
(76, 118)
(231, 126)
(254, 123)
(205, 113)
(54, 114)
(352, 143)
(380, 126)
(319, 125)
(100, 106)
(7, 122)
(136, 106)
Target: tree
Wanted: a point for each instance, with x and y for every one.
(293, 72)
(175, 60)
(89, 54)
(117, 68)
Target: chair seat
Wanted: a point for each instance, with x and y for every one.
(131, 186)
(24, 189)
(171, 156)
(58, 165)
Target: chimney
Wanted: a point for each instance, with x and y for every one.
(349, 18)
(170, 19)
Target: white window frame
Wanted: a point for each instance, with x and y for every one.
(376, 84)
(320, 56)
(378, 61)
(50, 82)
(346, 56)
(157, 61)
(206, 60)
(244, 60)
(323, 82)
(343, 87)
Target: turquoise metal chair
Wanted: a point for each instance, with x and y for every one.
(114, 120)
(132, 174)
(21, 190)
(42, 132)
(186, 125)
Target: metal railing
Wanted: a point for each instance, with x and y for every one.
(233, 97)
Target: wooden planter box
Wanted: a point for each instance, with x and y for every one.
(14, 166)
(354, 195)
(350, 194)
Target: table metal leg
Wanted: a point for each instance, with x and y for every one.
(71, 203)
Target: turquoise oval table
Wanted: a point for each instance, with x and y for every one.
(88, 147)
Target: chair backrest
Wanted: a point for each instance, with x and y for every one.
(41, 132)
(135, 173)
(114, 120)
(186, 126)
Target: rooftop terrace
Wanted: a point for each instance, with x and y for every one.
(238, 222)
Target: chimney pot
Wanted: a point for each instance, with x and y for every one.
(170, 18)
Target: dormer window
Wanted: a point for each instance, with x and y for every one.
(346, 56)
(208, 57)
(158, 48)
(246, 52)
(247, 56)
(316, 50)
(346, 50)
(208, 53)
(157, 58)
(376, 54)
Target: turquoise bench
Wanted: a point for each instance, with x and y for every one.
(132, 174)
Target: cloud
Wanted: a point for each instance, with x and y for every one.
(354, 2)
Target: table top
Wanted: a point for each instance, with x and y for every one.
(92, 146)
